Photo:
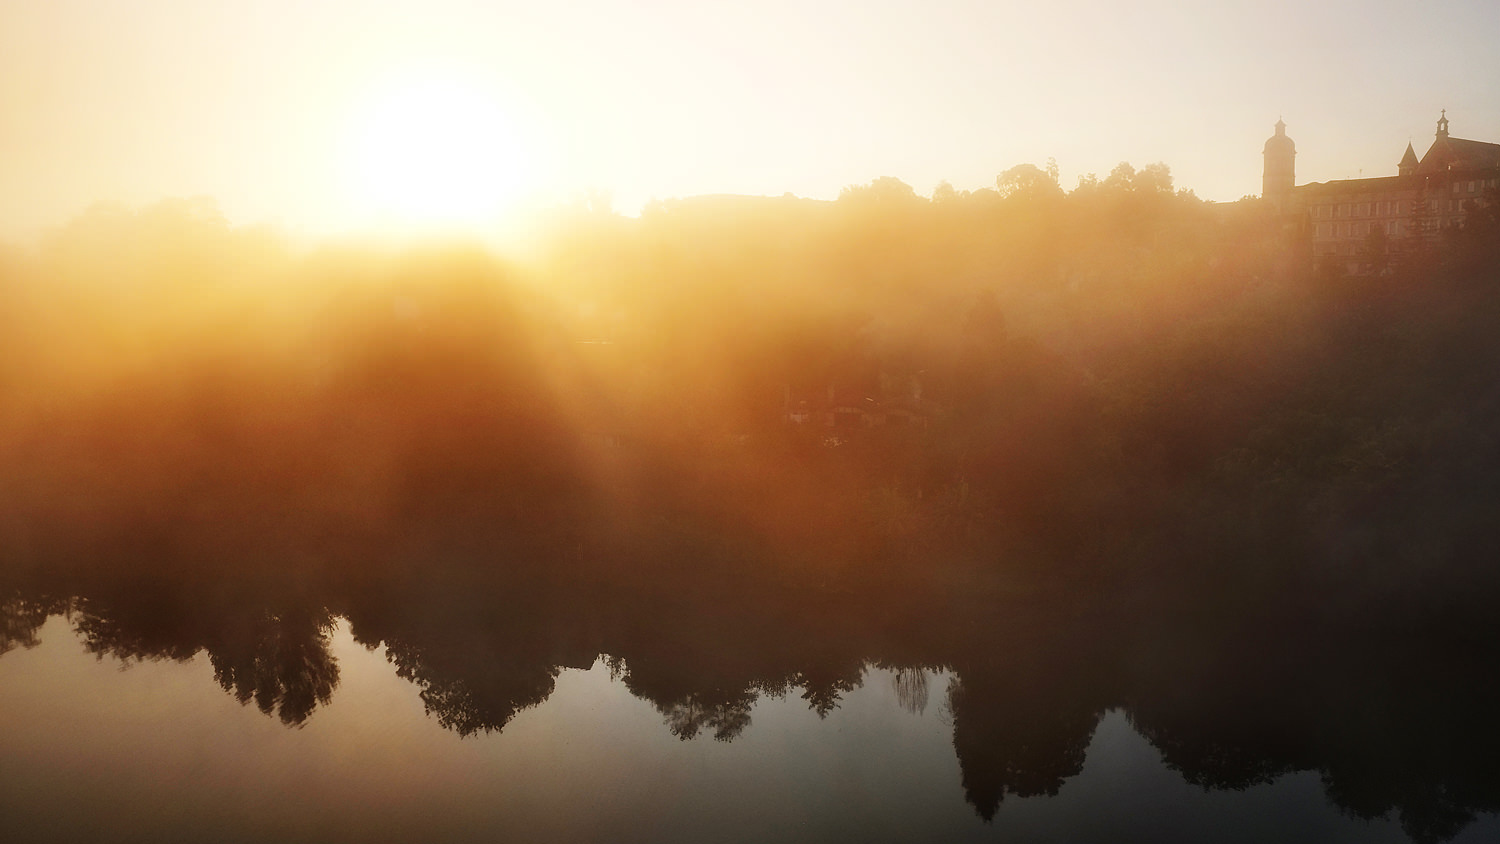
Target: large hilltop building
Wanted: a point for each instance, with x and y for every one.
(1358, 223)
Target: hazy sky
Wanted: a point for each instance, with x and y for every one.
(271, 106)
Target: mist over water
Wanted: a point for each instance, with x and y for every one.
(1023, 459)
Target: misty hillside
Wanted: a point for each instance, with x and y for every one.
(1120, 387)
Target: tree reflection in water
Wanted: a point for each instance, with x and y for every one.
(21, 618)
(723, 715)
(468, 693)
(910, 684)
(1391, 724)
(281, 662)
(277, 657)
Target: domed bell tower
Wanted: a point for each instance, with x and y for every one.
(1278, 176)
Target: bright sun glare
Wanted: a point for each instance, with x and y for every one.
(437, 152)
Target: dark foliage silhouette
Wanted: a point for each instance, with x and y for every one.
(1108, 447)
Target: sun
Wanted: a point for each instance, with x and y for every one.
(436, 152)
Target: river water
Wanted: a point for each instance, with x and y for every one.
(112, 735)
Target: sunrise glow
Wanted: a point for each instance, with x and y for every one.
(436, 152)
(795, 421)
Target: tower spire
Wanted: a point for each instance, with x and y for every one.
(1409, 162)
(1442, 130)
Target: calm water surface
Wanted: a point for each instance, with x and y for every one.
(116, 741)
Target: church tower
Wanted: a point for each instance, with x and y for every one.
(1278, 177)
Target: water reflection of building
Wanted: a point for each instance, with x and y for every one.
(1359, 224)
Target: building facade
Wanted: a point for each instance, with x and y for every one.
(1362, 225)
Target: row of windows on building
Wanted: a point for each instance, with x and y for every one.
(1474, 185)
(1347, 249)
(1391, 207)
(1393, 228)
(1382, 208)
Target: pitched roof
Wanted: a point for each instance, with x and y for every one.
(1459, 154)
(1410, 159)
(1342, 186)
